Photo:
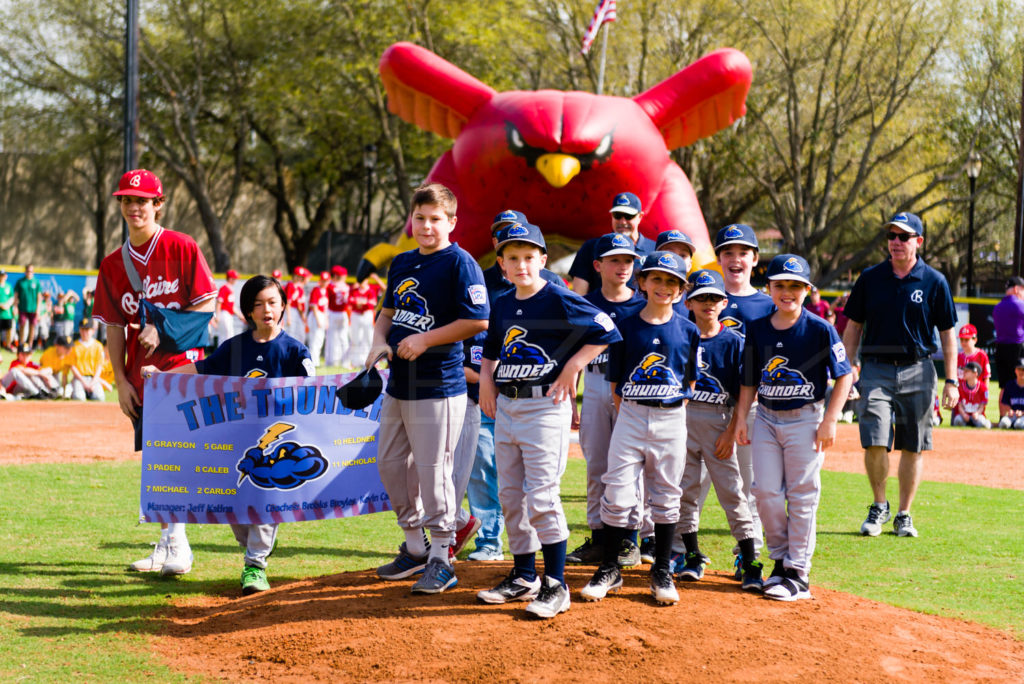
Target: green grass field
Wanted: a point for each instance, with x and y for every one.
(70, 611)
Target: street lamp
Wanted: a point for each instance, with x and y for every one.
(973, 168)
(369, 164)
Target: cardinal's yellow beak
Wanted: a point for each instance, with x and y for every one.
(558, 169)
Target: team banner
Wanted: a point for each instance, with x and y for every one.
(219, 450)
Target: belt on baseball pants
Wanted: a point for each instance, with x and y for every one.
(895, 360)
(513, 391)
(656, 404)
(601, 368)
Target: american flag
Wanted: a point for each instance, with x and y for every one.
(605, 12)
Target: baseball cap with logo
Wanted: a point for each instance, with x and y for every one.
(85, 323)
(707, 281)
(669, 237)
(735, 234)
(505, 218)
(324, 276)
(968, 331)
(339, 271)
(521, 232)
(666, 262)
(612, 244)
(789, 267)
(140, 183)
(62, 341)
(908, 223)
(25, 348)
(1020, 363)
(626, 203)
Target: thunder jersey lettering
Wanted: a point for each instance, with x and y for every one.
(740, 310)
(719, 368)
(617, 311)
(654, 362)
(426, 292)
(174, 275)
(790, 368)
(531, 339)
(242, 356)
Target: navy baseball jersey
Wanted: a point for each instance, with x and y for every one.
(654, 362)
(742, 309)
(498, 285)
(473, 353)
(533, 338)
(429, 292)
(583, 264)
(242, 356)
(903, 311)
(719, 368)
(617, 311)
(790, 368)
(1013, 396)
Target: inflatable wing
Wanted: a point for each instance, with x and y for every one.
(560, 157)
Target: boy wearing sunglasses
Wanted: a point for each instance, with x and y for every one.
(894, 309)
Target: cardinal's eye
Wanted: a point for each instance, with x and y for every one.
(603, 146)
(515, 139)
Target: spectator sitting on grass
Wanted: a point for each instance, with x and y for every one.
(1011, 400)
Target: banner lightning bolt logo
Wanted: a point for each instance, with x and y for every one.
(270, 435)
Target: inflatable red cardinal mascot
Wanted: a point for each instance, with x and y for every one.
(560, 157)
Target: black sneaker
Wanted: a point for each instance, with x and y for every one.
(877, 516)
(752, 577)
(606, 579)
(663, 589)
(778, 574)
(512, 588)
(587, 553)
(552, 599)
(629, 554)
(693, 570)
(791, 588)
(647, 550)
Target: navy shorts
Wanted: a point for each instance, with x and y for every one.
(896, 404)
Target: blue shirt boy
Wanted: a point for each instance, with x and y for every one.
(719, 368)
(655, 362)
(618, 312)
(242, 356)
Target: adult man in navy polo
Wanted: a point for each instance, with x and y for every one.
(894, 308)
(626, 212)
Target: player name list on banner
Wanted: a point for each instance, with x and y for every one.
(222, 450)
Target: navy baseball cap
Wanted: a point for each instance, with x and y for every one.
(707, 281)
(506, 217)
(908, 223)
(1014, 281)
(678, 237)
(667, 262)
(626, 203)
(521, 232)
(789, 267)
(612, 244)
(1020, 363)
(62, 341)
(735, 234)
(972, 366)
(25, 348)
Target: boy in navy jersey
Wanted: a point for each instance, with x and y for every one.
(652, 372)
(614, 264)
(539, 339)
(435, 299)
(709, 433)
(788, 358)
(264, 350)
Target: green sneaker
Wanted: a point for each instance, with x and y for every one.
(254, 580)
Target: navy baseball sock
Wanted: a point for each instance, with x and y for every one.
(597, 536)
(747, 551)
(554, 560)
(613, 537)
(526, 565)
(690, 542)
(634, 536)
(663, 534)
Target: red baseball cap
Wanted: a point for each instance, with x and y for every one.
(339, 270)
(324, 275)
(277, 273)
(232, 273)
(299, 272)
(968, 331)
(140, 183)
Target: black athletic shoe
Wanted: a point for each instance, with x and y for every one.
(606, 579)
(587, 553)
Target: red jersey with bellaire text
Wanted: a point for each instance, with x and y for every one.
(295, 293)
(363, 299)
(979, 357)
(226, 298)
(318, 299)
(337, 297)
(972, 399)
(174, 275)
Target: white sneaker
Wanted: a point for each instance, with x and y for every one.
(179, 557)
(154, 561)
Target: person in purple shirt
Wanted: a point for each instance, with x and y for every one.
(1008, 318)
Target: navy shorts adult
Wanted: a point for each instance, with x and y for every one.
(896, 402)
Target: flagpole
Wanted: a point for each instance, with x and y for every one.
(604, 49)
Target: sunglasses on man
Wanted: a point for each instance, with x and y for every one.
(902, 237)
(621, 216)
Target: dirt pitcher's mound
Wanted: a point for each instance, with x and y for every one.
(354, 627)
